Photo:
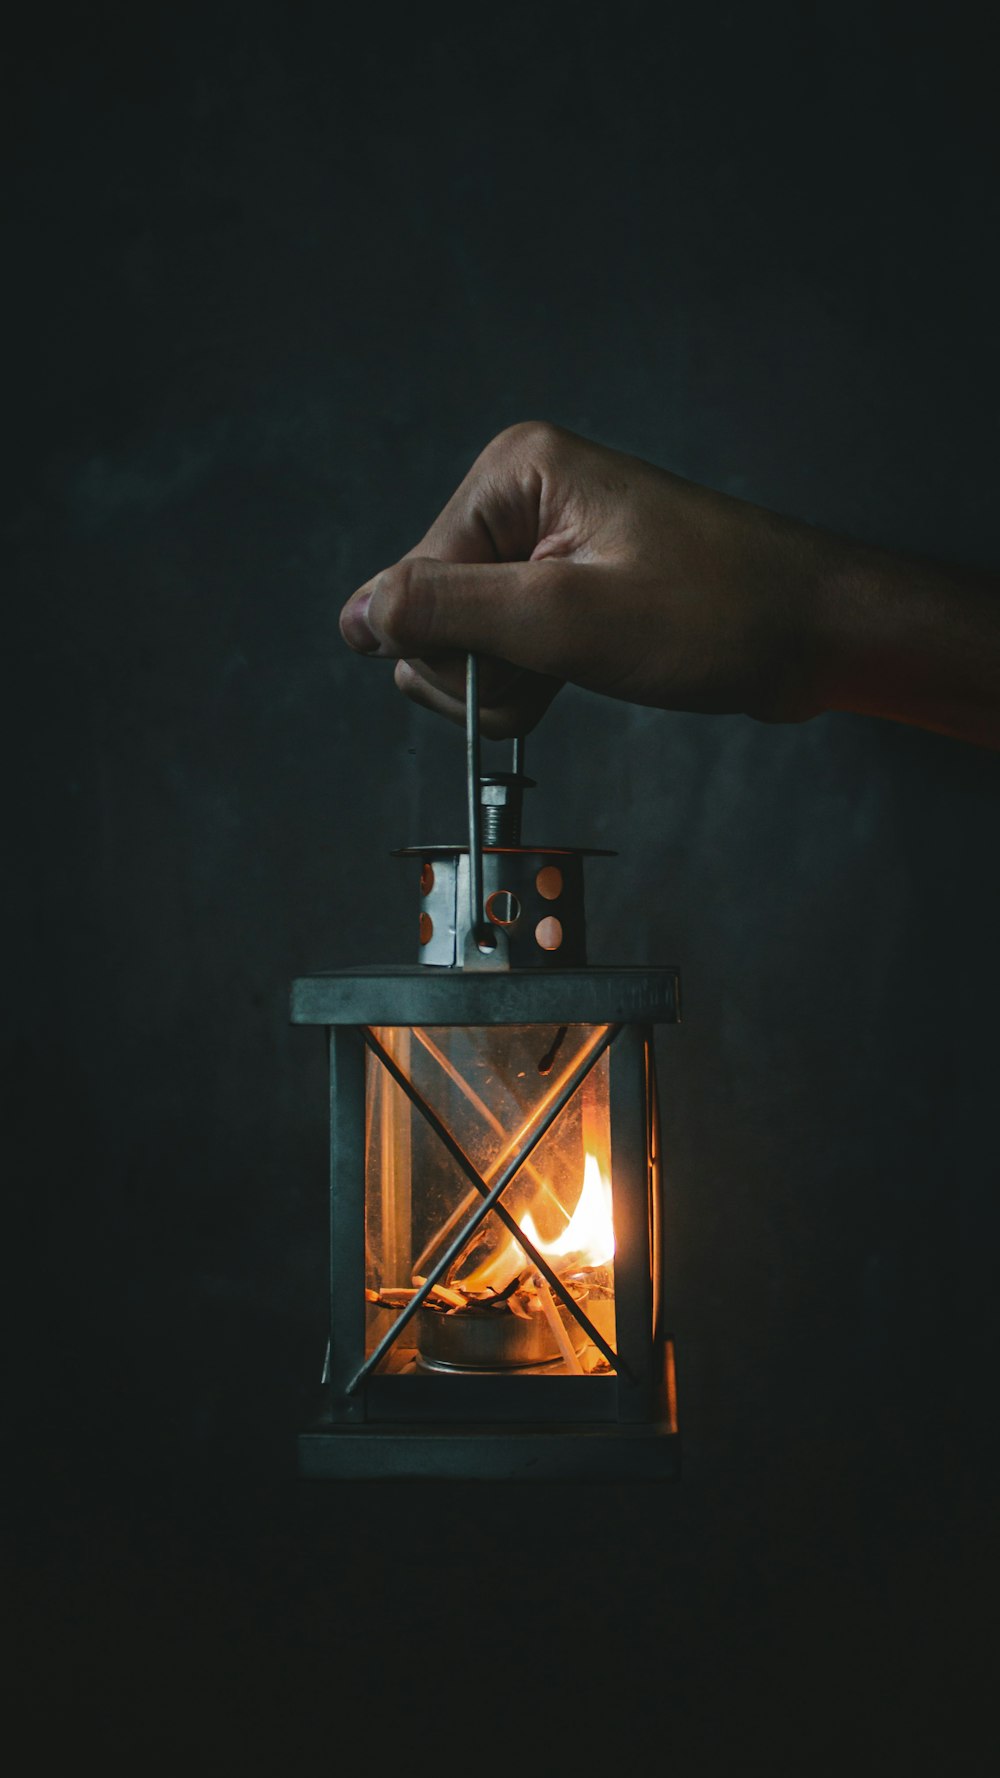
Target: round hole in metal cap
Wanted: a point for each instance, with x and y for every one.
(426, 877)
(549, 933)
(426, 929)
(503, 908)
(549, 882)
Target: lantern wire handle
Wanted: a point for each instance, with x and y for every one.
(485, 945)
(480, 933)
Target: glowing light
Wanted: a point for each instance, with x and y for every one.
(589, 1235)
(588, 1240)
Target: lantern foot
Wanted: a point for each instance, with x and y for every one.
(646, 1453)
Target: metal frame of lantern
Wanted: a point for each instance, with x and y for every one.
(384, 1414)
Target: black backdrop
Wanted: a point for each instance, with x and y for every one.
(277, 274)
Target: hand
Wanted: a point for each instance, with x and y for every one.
(559, 560)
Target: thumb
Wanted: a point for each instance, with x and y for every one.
(515, 611)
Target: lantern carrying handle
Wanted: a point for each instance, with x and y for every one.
(486, 945)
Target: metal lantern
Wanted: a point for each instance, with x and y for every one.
(496, 1236)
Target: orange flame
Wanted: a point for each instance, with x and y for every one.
(589, 1235)
(587, 1240)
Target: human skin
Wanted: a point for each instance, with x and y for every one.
(558, 559)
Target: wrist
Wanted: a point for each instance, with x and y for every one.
(908, 639)
(847, 624)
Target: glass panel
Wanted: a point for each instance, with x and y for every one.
(492, 1309)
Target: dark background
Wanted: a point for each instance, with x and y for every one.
(276, 275)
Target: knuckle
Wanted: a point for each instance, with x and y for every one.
(532, 440)
(540, 438)
(403, 605)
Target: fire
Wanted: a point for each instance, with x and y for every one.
(589, 1236)
(588, 1240)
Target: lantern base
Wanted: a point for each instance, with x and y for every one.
(644, 1453)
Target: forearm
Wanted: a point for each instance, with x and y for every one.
(913, 640)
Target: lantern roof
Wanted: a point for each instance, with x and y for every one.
(420, 995)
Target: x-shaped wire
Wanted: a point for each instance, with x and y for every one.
(490, 1196)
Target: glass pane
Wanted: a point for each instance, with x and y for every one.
(492, 1308)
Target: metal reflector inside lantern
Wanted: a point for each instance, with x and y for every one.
(495, 1190)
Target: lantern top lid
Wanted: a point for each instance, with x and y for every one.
(415, 995)
(528, 851)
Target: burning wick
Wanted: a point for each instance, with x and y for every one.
(587, 1241)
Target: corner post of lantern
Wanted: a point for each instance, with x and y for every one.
(347, 1218)
(639, 1372)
